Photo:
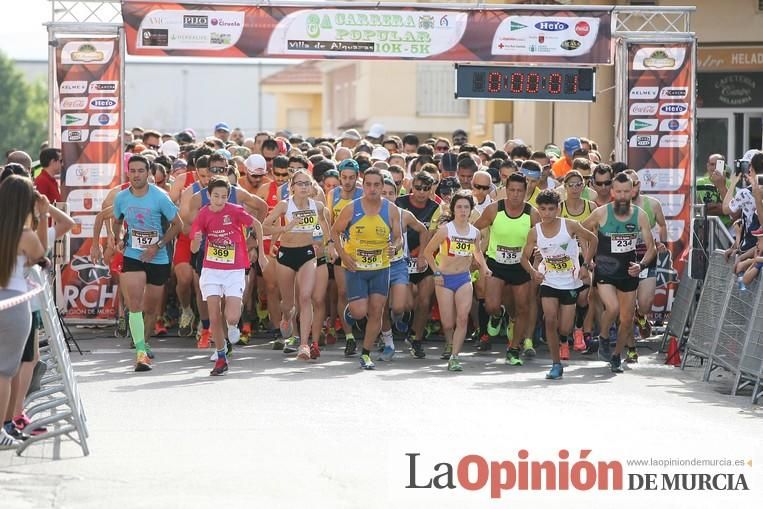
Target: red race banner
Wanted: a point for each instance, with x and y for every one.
(370, 32)
(660, 140)
(89, 81)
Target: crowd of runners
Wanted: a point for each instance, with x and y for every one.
(369, 240)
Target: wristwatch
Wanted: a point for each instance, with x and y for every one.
(437, 273)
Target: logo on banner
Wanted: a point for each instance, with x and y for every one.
(73, 119)
(643, 141)
(571, 44)
(645, 124)
(104, 135)
(222, 22)
(517, 26)
(74, 135)
(159, 37)
(582, 28)
(87, 52)
(643, 93)
(658, 58)
(215, 38)
(674, 140)
(674, 92)
(551, 26)
(644, 108)
(195, 22)
(673, 109)
(659, 179)
(672, 204)
(90, 174)
(104, 119)
(103, 87)
(103, 103)
(73, 87)
(74, 103)
(674, 124)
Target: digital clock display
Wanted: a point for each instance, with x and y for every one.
(525, 83)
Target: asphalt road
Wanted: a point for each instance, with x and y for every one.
(277, 432)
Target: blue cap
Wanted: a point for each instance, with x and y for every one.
(571, 145)
(222, 126)
(224, 152)
(349, 164)
(531, 174)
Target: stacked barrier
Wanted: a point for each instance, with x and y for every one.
(727, 331)
(57, 405)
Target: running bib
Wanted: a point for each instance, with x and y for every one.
(461, 247)
(221, 254)
(559, 264)
(142, 239)
(306, 221)
(317, 232)
(623, 242)
(644, 274)
(413, 267)
(507, 255)
(368, 259)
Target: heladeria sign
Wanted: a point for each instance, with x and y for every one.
(488, 34)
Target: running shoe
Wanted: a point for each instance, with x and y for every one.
(142, 363)
(350, 347)
(379, 344)
(278, 343)
(484, 344)
(399, 322)
(304, 353)
(331, 336)
(454, 364)
(234, 335)
(494, 323)
(221, 366)
(121, 330)
(512, 357)
(315, 350)
(387, 353)
(604, 350)
(447, 352)
(417, 350)
(159, 328)
(564, 351)
(578, 341)
(186, 323)
(16, 433)
(527, 348)
(204, 338)
(644, 327)
(22, 422)
(592, 346)
(632, 356)
(149, 352)
(245, 337)
(556, 371)
(291, 345)
(366, 362)
(7, 441)
(615, 364)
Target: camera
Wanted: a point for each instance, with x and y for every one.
(742, 167)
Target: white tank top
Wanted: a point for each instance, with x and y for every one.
(306, 218)
(560, 259)
(480, 207)
(17, 281)
(457, 244)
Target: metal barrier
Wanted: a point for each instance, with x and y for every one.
(716, 290)
(728, 327)
(682, 310)
(57, 405)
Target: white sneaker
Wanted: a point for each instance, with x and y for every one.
(7, 441)
(213, 357)
(233, 334)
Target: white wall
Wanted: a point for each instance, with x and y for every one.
(173, 95)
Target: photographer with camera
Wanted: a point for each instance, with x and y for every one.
(745, 197)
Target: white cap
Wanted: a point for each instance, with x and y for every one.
(380, 154)
(749, 155)
(377, 131)
(170, 148)
(256, 165)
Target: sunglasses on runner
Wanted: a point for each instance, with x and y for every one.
(602, 183)
(422, 188)
(218, 170)
(574, 184)
(481, 188)
(277, 174)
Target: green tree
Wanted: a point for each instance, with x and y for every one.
(23, 111)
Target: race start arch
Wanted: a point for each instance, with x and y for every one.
(652, 50)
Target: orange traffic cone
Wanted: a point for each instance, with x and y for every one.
(674, 355)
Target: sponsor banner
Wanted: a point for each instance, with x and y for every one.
(476, 34)
(643, 92)
(91, 149)
(665, 158)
